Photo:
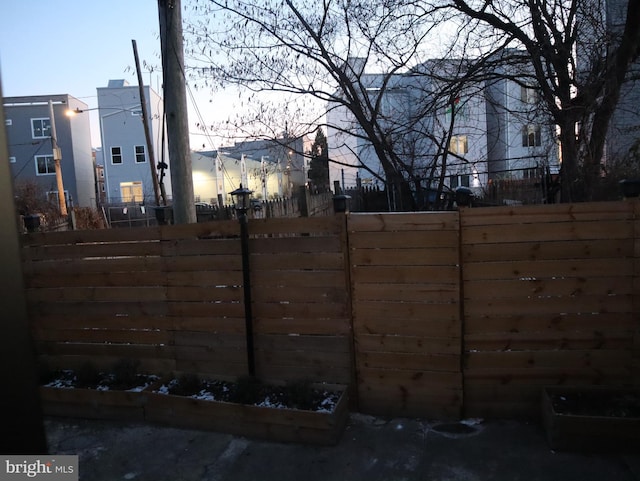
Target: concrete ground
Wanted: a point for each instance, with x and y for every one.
(371, 449)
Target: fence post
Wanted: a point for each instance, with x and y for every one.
(635, 375)
(343, 221)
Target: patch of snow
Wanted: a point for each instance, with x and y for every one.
(472, 421)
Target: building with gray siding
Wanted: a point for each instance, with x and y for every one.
(28, 126)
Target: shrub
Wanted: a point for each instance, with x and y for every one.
(88, 375)
(125, 372)
(247, 390)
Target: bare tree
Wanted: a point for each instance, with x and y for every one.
(580, 60)
(308, 49)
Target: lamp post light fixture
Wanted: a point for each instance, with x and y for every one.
(242, 198)
(341, 203)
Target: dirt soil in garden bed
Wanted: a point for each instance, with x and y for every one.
(295, 395)
(594, 403)
(122, 377)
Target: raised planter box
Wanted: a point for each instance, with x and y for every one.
(272, 423)
(591, 418)
(93, 404)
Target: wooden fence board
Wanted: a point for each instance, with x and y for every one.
(549, 339)
(300, 293)
(410, 361)
(99, 279)
(405, 257)
(95, 250)
(199, 263)
(545, 305)
(547, 359)
(100, 309)
(407, 344)
(547, 287)
(103, 335)
(535, 214)
(530, 270)
(197, 247)
(205, 309)
(140, 321)
(223, 277)
(569, 231)
(417, 313)
(554, 250)
(302, 326)
(98, 294)
(89, 236)
(438, 293)
(311, 279)
(299, 245)
(323, 343)
(418, 239)
(514, 323)
(293, 261)
(296, 226)
(99, 265)
(404, 274)
(400, 222)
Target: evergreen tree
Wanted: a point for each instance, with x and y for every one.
(319, 164)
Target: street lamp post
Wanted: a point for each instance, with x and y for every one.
(242, 202)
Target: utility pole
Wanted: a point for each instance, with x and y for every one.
(57, 157)
(175, 109)
(147, 129)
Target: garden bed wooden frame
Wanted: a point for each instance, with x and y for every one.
(572, 432)
(274, 424)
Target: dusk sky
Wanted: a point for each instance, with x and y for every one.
(75, 46)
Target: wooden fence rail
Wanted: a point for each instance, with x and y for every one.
(449, 314)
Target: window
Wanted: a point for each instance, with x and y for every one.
(528, 95)
(116, 155)
(459, 145)
(531, 136)
(131, 191)
(8, 122)
(459, 180)
(45, 165)
(12, 160)
(40, 128)
(140, 155)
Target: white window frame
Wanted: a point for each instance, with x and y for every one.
(459, 144)
(531, 135)
(131, 191)
(528, 95)
(12, 160)
(42, 127)
(50, 156)
(8, 122)
(113, 155)
(138, 154)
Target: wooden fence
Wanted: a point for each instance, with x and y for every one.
(442, 315)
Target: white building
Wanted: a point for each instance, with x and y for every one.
(496, 131)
